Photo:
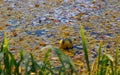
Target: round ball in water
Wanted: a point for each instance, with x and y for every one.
(66, 43)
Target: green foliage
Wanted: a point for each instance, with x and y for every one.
(104, 65)
(85, 48)
(27, 64)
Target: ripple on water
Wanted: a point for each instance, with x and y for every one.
(12, 27)
(108, 35)
(40, 32)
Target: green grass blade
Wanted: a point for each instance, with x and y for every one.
(1, 62)
(4, 49)
(21, 55)
(4, 46)
(118, 73)
(65, 60)
(116, 57)
(111, 62)
(44, 67)
(116, 61)
(14, 63)
(85, 48)
(109, 57)
(99, 55)
(26, 68)
(112, 67)
(34, 67)
(104, 63)
(59, 54)
(46, 56)
(71, 66)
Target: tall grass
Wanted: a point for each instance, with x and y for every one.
(27, 65)
(85, 48)
(104, 64)
(99, 55)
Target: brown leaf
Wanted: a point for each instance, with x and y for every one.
(42, 43)
(1, 28)
(11, 49)
(36, 5)
(9, 8)
(14, 33)
(108, 26)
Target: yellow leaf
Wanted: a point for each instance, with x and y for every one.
(5, 41)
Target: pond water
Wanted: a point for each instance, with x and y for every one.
(32, 24)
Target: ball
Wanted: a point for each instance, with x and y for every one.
(66, 43)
